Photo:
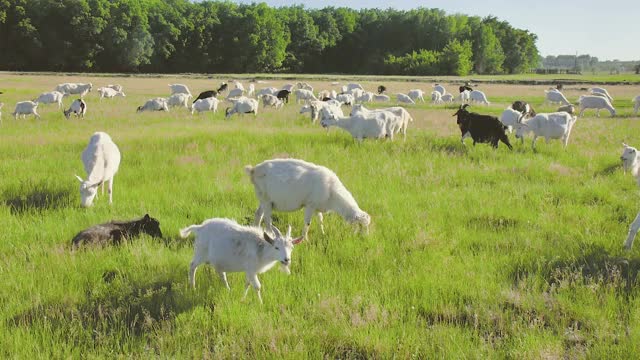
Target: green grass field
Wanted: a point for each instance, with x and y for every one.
(473, 252)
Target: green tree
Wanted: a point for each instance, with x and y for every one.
(488, 54)
(456, 58)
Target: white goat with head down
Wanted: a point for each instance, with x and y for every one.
(230, 247)
(101, 159)
(631, 161)
(291, 184)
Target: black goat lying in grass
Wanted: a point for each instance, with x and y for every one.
(481, 128)
(115, 232)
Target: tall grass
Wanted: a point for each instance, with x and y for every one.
(473, 252)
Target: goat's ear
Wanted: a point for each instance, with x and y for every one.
(79, 178)
(297, 241)
(146, 216)
(267, 238)
(625, 145)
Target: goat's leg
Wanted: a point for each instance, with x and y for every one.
(197, 260)
(633, 230)
(109, 190)
(321, 219)
(308, 214)
(258, 216)
(533, 143)
(223, 277)
(252, 280)
(266, 211)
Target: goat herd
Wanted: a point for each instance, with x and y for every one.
(289, 184)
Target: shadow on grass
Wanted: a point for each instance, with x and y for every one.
(39, 198)
(609, 170)
(593, 265)
(129, 310)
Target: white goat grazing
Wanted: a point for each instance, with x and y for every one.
(157, 104)
(447, 98)
(464, 96)
(271, 100)
(116, 87)
(25, 108)
(291, 184)
(555, 96)
(397, 124)
(631, 161)
(603, 91)
(235, 93)
(230, 247)
(510, 118)
(416, 94)
(404, 99)
(179, 99)
(636, 105)
(305, 86)
(346, 99)
(74, 88)
(360, 126)
(53, 97)
(101, 159)
(107, 92)
(436, 97)
(352, 86)
(365, 97)
(316, 106)
(439, 88)
(550, 126)
(304, 95)
(269, 91)
(179, 89)
(595, 102)
(243, 105)
(381, 98)
(207, 104)
(479, 97)
(78, 107)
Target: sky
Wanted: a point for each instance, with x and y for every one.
(607, 29)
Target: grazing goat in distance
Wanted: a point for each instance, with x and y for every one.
(205, 95)
(115, 232)
(230, 247)
(78, 107)
(25, 108)
(550, 126)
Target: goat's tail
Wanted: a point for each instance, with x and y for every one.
(186, 231)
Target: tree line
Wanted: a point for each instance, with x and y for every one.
(174, 36)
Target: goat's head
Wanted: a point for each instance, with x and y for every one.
(151, 226)
(461, 111)
(281, 247)
(629, 156)
(227, 112)
(88, 192)
(67, 113)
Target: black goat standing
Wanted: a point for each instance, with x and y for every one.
(283, 95)
(381, 89)
(481, 128)
(115, 232)
(206, 94)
